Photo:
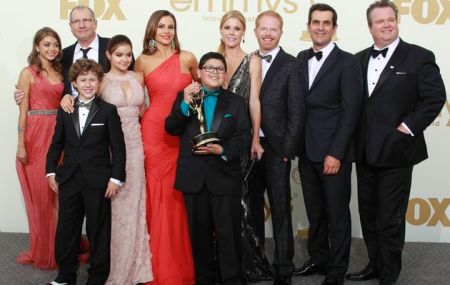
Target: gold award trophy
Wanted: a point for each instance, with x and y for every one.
(204, 137)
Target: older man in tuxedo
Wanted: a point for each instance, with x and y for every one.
(333, 103)
(281, 120)
(404, 93)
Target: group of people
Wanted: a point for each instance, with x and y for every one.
(159, 211)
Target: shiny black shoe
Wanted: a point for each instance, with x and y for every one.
(366, 274)
(309, 268)
(333, 280)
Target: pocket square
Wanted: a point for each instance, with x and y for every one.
(400, 72)
(97, 124)
(227, 116)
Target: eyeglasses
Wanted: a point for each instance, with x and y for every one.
(79, 21)
(215, 69)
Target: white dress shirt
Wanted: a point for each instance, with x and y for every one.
(264, 68)
(376, 67)
(314, 65)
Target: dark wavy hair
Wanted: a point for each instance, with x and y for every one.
(152, 26)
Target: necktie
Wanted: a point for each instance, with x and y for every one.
(85, 51)
(318, 54)
(375, 52)
(85, 105)
(267, 57)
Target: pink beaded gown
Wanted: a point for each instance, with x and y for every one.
(172, 261)
(130, 253)
(40, 200)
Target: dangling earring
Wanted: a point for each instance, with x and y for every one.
(152, 45)
(243, 40)
(172, 44)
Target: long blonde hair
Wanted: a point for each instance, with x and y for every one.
(233, 14)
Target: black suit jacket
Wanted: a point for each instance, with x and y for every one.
(231, 124)
(282, 105)
(67, 61)
(99, 151)
(410, 90)
(333, 105)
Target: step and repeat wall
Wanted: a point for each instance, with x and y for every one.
(423, 22)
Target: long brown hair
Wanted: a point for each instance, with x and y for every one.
(233, 14)
(33, 58)
(152, 26)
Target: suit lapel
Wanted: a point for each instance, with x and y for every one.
(365, 66)
(76, 121)
(96, 105)
(397, 57)
(273, 69)
(330, 61)
(102, 46)
(219, 111)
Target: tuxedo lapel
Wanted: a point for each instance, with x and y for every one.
(219, 111)
(330, 61)
(365, 66)
(76, 121)
(273, 69)
(96, 106)
(396, 58)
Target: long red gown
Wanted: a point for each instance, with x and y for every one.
(40, 200)
(170, 246)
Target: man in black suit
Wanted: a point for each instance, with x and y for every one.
(282, 109)
(210, 176)
(404, 93)
(93, 168)
(333, 103)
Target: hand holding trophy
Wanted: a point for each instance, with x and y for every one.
(205, 136)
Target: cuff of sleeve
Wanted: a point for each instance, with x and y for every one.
(50, 174)
(184, 108)
(406, 127)
(116, 181)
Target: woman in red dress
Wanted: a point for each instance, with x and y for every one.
(42, 83)
(166, 70)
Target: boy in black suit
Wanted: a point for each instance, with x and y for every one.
(210, 176)
(92, 171)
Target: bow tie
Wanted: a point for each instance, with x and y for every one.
(375, 52)
(85, 105)
(312, 54)
(267, 57)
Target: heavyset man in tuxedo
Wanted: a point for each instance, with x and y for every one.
(334, 94)
(281, 119)
(404, 93)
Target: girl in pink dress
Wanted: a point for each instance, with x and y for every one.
(42, 83)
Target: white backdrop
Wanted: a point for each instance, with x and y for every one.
(423, 22)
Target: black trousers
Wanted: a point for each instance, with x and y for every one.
(215, 218)
(327, 199)
(77, 199)
(383, 195)
(272, 174)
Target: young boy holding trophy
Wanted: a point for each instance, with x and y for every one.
(214, 129)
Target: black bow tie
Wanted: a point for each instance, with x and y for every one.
(85, 51)
(318, 54)
(267, 57)
(376, 52)
(85, 105)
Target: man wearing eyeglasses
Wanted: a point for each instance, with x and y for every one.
(88, 45)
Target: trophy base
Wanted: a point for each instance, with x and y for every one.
(205, 138)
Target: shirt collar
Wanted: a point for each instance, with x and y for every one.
(273, 52)
(87, 100)
(94, 45)
(326, 50)
(391, 47)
